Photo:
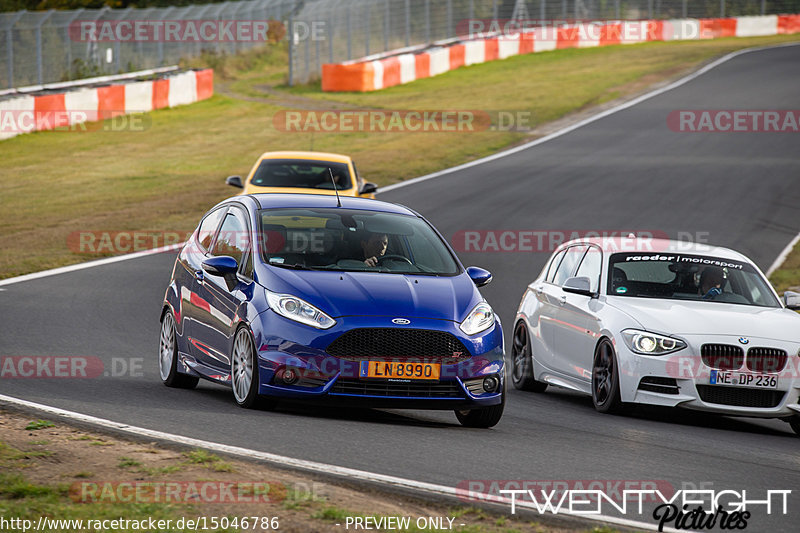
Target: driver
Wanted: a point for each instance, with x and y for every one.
(374, 247)
(711, 280)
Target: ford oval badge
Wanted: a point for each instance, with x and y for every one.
(401, 321)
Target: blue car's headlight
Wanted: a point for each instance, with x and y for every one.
(647, 343)
(299, 310)
(480, 318)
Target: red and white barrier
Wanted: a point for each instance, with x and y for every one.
(28, 113)
(373, 73)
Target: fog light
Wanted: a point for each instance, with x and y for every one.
(288, 376)
(490, 384)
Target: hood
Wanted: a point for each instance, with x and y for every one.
(378, 294)
(674, 317)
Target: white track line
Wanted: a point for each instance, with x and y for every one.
(89, 264)
(782, 257)
(309, 466)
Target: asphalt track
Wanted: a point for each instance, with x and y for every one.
(626, 171)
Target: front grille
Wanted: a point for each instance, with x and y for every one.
(434, 389)
(399, 344)
(722, 356)
(659, 384)
(766, 359)
(740, 397)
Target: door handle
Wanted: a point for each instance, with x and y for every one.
(199, 276)
(563, 299)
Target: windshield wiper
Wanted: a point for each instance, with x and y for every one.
(293, 266)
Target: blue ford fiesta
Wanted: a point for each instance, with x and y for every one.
(310, 298)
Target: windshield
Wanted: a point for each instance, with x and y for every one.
(688, 277)
(301, 173)
(352, 240)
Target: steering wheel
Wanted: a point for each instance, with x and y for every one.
(394, 256)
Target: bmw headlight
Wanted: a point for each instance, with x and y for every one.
(480, 318)
(647, 343)
(298, 310)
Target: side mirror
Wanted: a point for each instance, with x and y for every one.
(235, 181)
(223, 265)
(791, 300)
(579, 285)
(368, 188)
(479, 276)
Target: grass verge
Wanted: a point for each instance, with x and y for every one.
(787, 276)
(135, 481)
(55, 185)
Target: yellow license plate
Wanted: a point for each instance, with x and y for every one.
(395, 370)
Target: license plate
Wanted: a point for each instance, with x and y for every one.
(396, 370)
(743, 379)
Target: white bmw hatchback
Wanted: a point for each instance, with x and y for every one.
(660, 322)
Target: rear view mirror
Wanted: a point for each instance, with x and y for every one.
(389, 227)
(235, 181)
(791, 300)
(368, 188)
(579, 285)
(479, 276)
(223, 265)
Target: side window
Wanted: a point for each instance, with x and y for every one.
(551, 270)
(208, 228)
(233, 239)
(590, 267)
(571, 258)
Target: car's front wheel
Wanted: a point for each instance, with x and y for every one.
(483, 417)
(605, 379)
(522, 363)
(244, 372)
(168, 356)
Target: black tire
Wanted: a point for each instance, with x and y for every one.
(795, 423)
(484, 417)
(244, 373)
(521, 364)
(605, 379)
(168, 356)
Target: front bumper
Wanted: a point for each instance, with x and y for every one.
(683, 379)
(324, 378)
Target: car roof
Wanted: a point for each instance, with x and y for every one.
(312, 156)
(649, 246)
(276, 200)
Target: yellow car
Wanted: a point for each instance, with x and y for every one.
(304, 172)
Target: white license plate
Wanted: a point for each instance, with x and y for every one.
(743, 379)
